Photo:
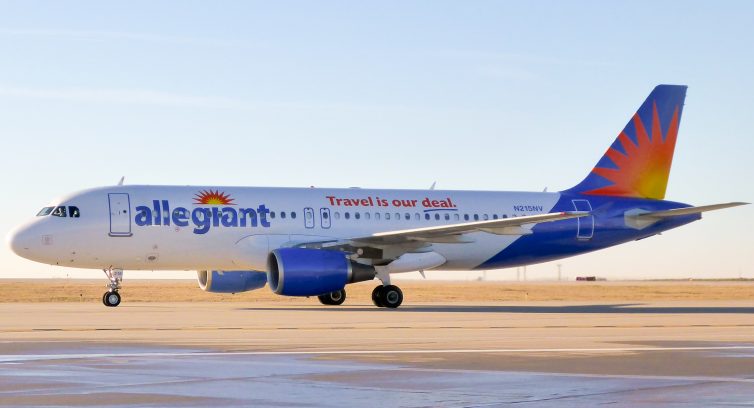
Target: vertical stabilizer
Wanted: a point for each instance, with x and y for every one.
(638, 163)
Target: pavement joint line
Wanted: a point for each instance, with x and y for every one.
(6, 358)
(85, 329)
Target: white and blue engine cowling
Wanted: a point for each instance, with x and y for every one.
(230, 281)
(313, 272)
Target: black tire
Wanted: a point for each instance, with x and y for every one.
(391, 296)
(111, 299)
(324, 299)
(377, 296)
(333, 298)
(337, 298)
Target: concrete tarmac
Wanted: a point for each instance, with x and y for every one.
(674, 353)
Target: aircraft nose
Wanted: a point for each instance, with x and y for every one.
(19, 240)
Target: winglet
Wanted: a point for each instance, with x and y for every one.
(120, 183)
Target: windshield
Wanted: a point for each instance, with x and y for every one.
(60, 212)
(45, 211)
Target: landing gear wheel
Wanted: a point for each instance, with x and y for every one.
(333, 298)
(111, 299)
(377, 296)
(391, 296)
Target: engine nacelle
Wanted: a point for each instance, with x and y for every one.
(230, 281)
(313, 272)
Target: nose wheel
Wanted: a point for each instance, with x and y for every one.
(111, 299)
(389, 296)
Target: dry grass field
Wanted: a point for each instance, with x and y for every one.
(415, 291)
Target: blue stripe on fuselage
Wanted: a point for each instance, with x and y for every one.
(555, 240)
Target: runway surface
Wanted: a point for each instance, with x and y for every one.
(304, 354)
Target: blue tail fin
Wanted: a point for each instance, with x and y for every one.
(638, 163)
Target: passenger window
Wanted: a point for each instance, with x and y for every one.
(417, 217)
(456, 217)
(45, 211)
(387, 216)
(426, 217)
(376, 216)
(293, 215)
(437, 216)
(397, 216)
(74, 211)
(505, 216)
(356, 215)
(485, 217)
(447, 217)
(367, 215)
(282, 214)
(337, 215)
(59, 212)
(466, 217)
(272, 214)
(347, 215)
(494, 216)
(476, 217)
(407, 216)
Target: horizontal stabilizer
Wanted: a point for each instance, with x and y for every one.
(640, 219)
(688, 210)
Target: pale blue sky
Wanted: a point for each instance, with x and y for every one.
(476, 95)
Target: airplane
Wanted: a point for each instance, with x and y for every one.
(315, 241)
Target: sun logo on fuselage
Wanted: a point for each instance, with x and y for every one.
(642, 168)
(209, 197)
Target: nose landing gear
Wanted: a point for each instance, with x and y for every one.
(111, 298)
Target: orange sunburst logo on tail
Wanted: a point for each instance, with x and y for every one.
(643, 168)
(212, 198)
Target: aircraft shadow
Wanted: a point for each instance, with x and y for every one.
(623, 308)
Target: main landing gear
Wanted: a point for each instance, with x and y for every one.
(385, 295)
(389, 296)
(333, 298)
(111, 298)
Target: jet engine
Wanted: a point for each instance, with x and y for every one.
(313, 272)
(230, 281)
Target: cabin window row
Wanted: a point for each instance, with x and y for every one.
(396, 216)
(417, 217)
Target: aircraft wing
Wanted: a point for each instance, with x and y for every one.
(453, 233)
(687, 210)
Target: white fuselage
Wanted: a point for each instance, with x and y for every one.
(234, 228)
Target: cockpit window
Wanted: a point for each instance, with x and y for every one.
(60, 212)
(74, 211)
(45, 211)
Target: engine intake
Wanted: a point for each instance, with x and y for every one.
(313, 272)
(230, 281)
